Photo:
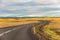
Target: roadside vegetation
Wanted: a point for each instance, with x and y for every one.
(48, 32)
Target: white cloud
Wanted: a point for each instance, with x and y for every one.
(10, 1)
(42, 1)
(4, 15)
(47, 1)
(52, 11)
(35, 15)
(12, 8)
(55, 11)
(5, 4)
(2, 5)
(31, 8)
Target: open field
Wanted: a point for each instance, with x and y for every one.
(31, 19)
(49, 31)
(54, 24)
(5, 22)
(13, 22)
(38, 29)
(53, 30)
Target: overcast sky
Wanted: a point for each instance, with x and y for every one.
(29, 8)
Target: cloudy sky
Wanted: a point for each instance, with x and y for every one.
(29, 8)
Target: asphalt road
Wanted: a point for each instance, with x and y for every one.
(20, 32)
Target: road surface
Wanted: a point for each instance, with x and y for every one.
(20, 32)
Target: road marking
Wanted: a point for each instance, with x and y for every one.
(9, 31)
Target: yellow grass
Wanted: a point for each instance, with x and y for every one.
(5, 22)
(51, 33)
(13, 22)
(53, 29)
(54, 24)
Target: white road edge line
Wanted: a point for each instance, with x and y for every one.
(9, 31)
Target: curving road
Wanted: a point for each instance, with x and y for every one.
(20, 32)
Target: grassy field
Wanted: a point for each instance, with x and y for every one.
(54, 24)
(5, 22)
(50, 31)
(53, 30)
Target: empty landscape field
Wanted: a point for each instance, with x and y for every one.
(5, 22)
(48, 29)
(53, 30)
(42, 28)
